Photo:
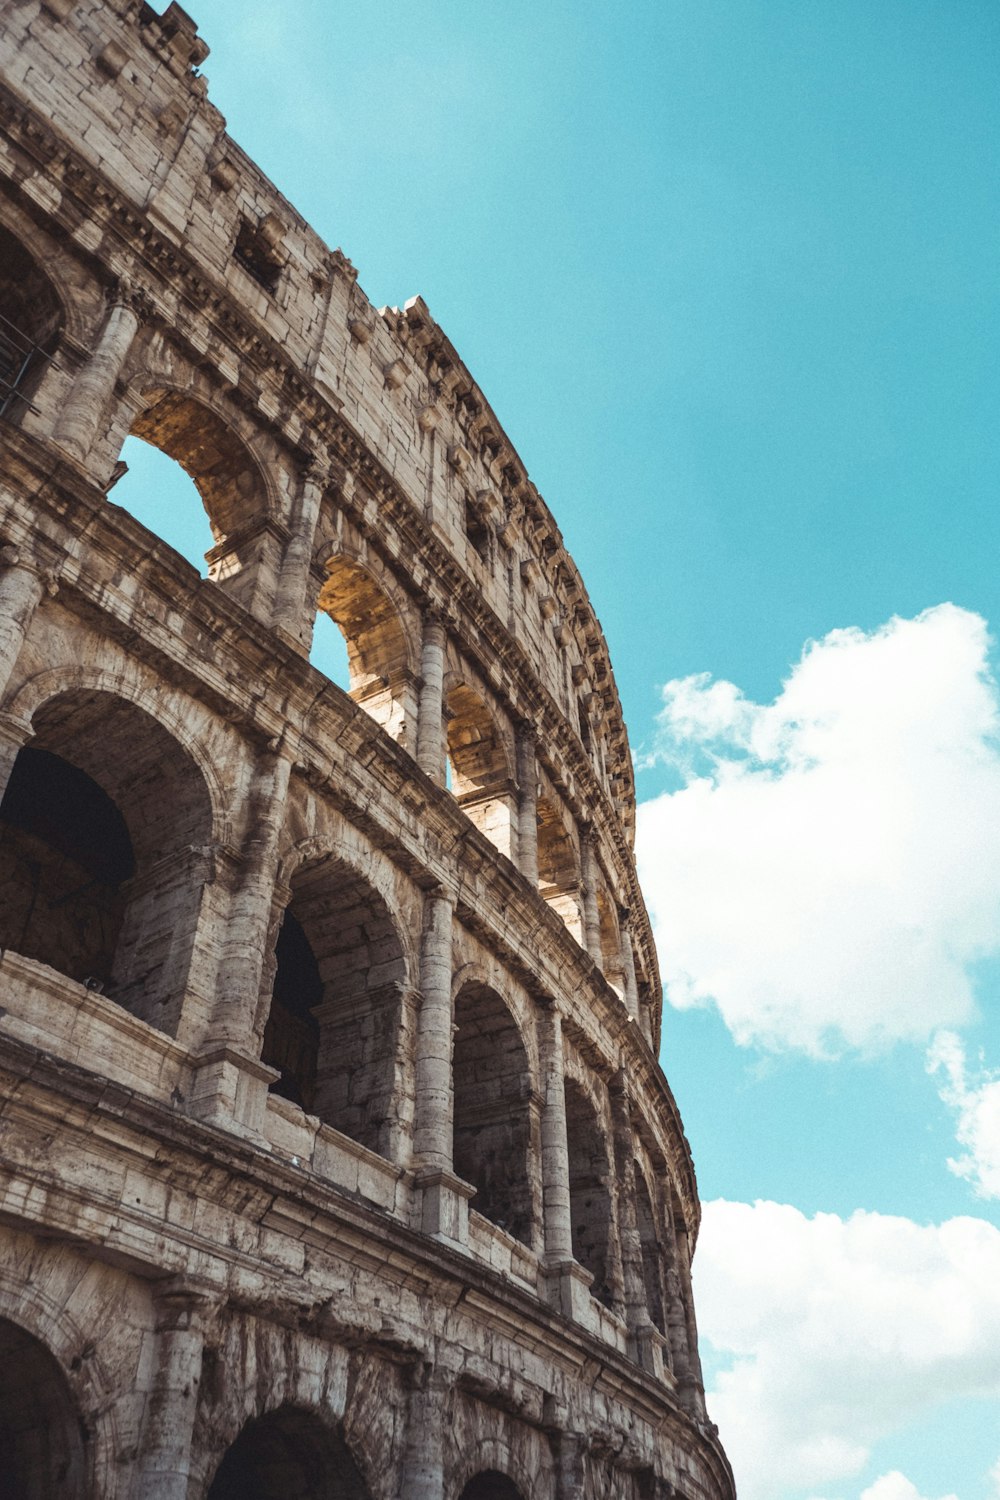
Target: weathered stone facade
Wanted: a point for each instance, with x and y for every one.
(336, 1159)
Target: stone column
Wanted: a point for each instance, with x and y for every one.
(92, 390)
(443, 1197)
(637, 1314)
(230, 1080)
(21, 589)
(570, 1478)
(628, 966)
(695, 1386)
(555, 1148)
(430, 709)
(433, 1126)
(423, 1454)
(527, 802)
(182, 1312)
(291, 603)
(588, 893)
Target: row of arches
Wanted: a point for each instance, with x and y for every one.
(289, 1453)
(104, 827)
(196, 479)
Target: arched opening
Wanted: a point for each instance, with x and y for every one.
(480, 771)
(611, 943)
(289, 1454)
(328, 653)
(31, 319)
(491, 1485)
(558, 868)
(164, 498)
(333, 1024)
(649, 1241)
(379, 668)
(492, 1130)
(227, 480)
(590, 1200)
(41, 1437)
(102, 819)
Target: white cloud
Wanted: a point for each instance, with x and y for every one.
(895, 1486)
(839, 1332)
(977, 1105)
(831, 870)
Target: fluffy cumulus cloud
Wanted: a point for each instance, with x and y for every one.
(895, 1486)
(830, 871)
(975, 1098)
(833, 1333)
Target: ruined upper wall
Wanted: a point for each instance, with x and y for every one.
(298, 322)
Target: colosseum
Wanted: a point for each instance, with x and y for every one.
(337, 1160)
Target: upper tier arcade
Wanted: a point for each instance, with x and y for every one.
(328, 1016)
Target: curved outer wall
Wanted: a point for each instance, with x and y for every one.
(337, 1157)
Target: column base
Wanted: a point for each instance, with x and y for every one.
(567, 1288)
(230, 1090)
(444, 1205)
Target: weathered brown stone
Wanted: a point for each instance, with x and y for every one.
(337, 1161)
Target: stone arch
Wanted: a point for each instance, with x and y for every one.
(32, 320)
(289, 1453)
(491, 1484)
(481, 776)
(497, 1458)
(187, 425)
(340, 972)
(649, 1244)
(41, 1443)
(127, 683)
(103, 820)
(558, 866)
(491, 1121)
(81, 1381)
(380, 654)
(81, 298)
(589, 1194)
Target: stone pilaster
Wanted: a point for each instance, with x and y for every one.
(527, 802)
(79, 420)
(21, 589)
(631, 996)
(182, 1311)
(555, 1149)
(427, 1415)
(230, 1048)
(444, 1198)
(588, 893)
(633, 1283)
(293, 606)
(430, 709)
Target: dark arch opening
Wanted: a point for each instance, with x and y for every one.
(42, 1454)
(31, 319)
(289, 1454)
(65, 855)
(652, 1258)
(335, 1012)
(101, 821)
(590, 1201)
(492, 1131)
(491, 1485)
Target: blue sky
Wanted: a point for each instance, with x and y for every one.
(726, 271)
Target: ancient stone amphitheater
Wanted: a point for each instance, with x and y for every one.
(337, 1161)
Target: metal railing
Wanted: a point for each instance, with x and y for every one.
(18, 354)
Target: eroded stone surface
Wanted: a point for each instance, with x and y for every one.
(337, 1161)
